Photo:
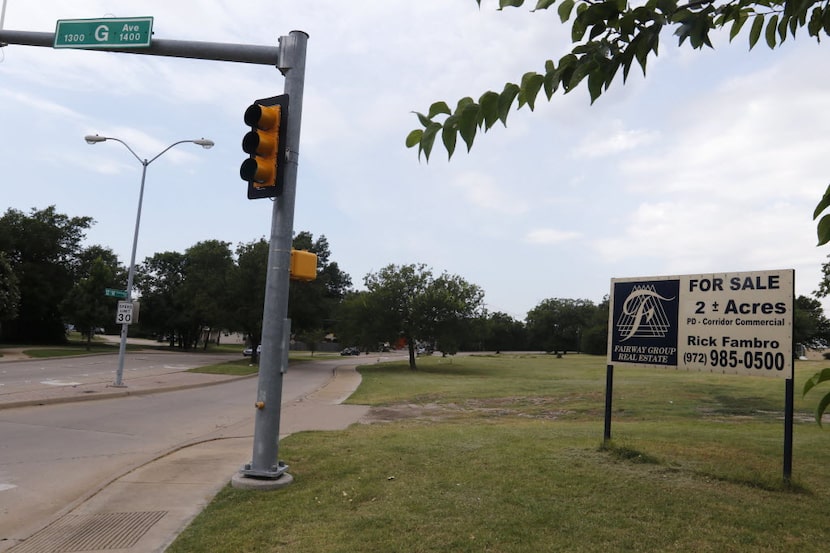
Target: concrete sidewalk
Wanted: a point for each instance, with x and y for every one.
(144, 510)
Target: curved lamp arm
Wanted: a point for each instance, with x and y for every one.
(95, 139)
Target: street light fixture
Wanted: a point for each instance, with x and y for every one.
(95, 139)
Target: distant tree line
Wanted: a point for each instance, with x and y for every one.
(48, 280)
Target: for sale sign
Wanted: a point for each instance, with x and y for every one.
(728, 322)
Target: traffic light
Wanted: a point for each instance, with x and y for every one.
(303, 265)
(266, 144)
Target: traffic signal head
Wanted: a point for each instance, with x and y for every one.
(303, 265)
(265, 144)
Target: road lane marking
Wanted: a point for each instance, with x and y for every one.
(53, 382)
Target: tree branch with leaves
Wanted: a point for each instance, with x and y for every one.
(609, 36)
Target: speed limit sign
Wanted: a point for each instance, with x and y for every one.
(124, 315)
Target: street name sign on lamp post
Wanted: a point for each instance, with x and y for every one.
(109, 32)
(112, 293)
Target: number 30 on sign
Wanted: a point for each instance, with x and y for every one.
(124, 315)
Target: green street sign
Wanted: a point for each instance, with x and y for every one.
(109, 292)
(109, 32)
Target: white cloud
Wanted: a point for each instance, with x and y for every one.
(485, 192)
(550, 236)
(40, 105)
(613, 140)
(763, 135)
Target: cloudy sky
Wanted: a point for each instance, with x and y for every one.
(713, 163)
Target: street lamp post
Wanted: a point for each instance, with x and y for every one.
(95, 139)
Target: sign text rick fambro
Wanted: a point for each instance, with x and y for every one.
(729, 322)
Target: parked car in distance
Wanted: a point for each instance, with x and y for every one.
(248, 351)
(350, 351)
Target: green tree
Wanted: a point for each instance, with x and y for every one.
(312, 338)
(82, 264)
(248, 291)
(497, 332)
(407, 301)
(9, 292)
(806, 328)
(42, 249)
(87, 271)
(85, 305)
(187, 295)
(452, 306)
(396, 299)
(160, 280)
(824, 284)
(312, 305)
(356, 324)
(612, 35)
(556, 324)
(810, 326)
(594, 339)
(208, 267)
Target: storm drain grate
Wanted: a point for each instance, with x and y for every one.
(91, 533)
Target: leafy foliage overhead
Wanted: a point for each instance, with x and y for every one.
(613, 35)
(823, 227)
(824, 402)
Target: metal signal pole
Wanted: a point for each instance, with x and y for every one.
(265, 470)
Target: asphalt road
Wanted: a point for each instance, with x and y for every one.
(35, 374)
(52, 456)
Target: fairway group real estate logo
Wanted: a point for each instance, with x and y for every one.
(643, 324)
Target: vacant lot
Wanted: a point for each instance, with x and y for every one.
(504, 454)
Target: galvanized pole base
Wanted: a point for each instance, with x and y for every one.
(242, 482)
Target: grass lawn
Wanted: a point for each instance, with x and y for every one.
(237, 367)
(244, 366)
(504, 454)
(72, 348)
(76, 344)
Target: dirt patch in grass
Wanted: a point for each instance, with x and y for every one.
(536, 408)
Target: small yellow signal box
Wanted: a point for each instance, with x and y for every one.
(303, 265)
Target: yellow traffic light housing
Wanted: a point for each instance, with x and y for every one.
(303, 265)
(265, 143)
